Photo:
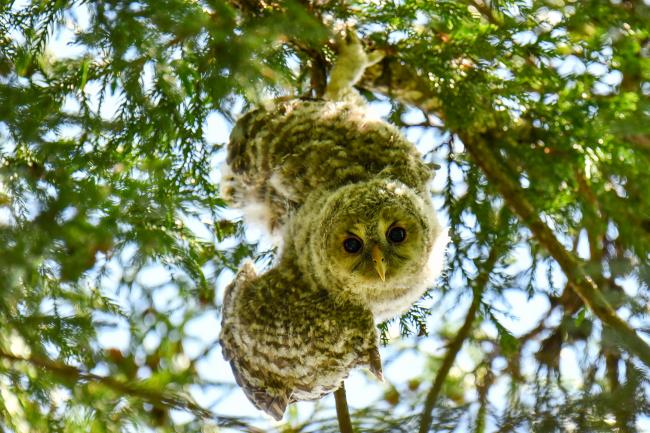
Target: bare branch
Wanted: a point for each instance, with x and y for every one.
(641, 140)
(342, 411)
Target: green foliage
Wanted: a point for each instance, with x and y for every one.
(111, 221)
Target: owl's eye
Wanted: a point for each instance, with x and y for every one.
(352, 245)
(396, 235)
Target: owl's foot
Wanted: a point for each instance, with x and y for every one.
(374, 363)
(352, 61)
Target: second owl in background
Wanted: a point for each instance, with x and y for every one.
(349, 198)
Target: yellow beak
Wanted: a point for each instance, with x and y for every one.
(380, 264)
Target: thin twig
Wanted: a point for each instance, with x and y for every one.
(457, 343)
(342, 411)
(483, 388)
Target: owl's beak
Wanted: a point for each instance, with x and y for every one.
(380, 264)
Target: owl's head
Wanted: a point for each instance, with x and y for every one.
(379, 240)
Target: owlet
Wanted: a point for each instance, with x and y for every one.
(349, 198)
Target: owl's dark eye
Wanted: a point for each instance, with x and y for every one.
(352, 245)
(396, 235)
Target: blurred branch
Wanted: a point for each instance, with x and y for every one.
(641, 140)
(612, 373)
(486, 10)
(397, 80)
(457, 343)
(483, 385)
(483, 153)
(342, 411)
(152, 396)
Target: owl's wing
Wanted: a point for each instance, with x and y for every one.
(250, 179)
(241, 156)
(288, 341)
(274, 405)
(245, 275)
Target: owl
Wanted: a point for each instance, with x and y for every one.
(347, 197)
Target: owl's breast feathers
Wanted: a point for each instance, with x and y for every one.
(288, 341)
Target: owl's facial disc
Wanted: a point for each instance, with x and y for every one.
(375, 244)
(376, 249)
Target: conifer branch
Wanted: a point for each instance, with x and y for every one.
(483, 154)
(152, 396)
(398, 81)
(457, 343)
(342, 411)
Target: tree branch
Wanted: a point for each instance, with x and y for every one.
(640, 140)
(490, 14)
(392, 79)
(152, 396)
(342, 411)
(457, 343)
(485, 157)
